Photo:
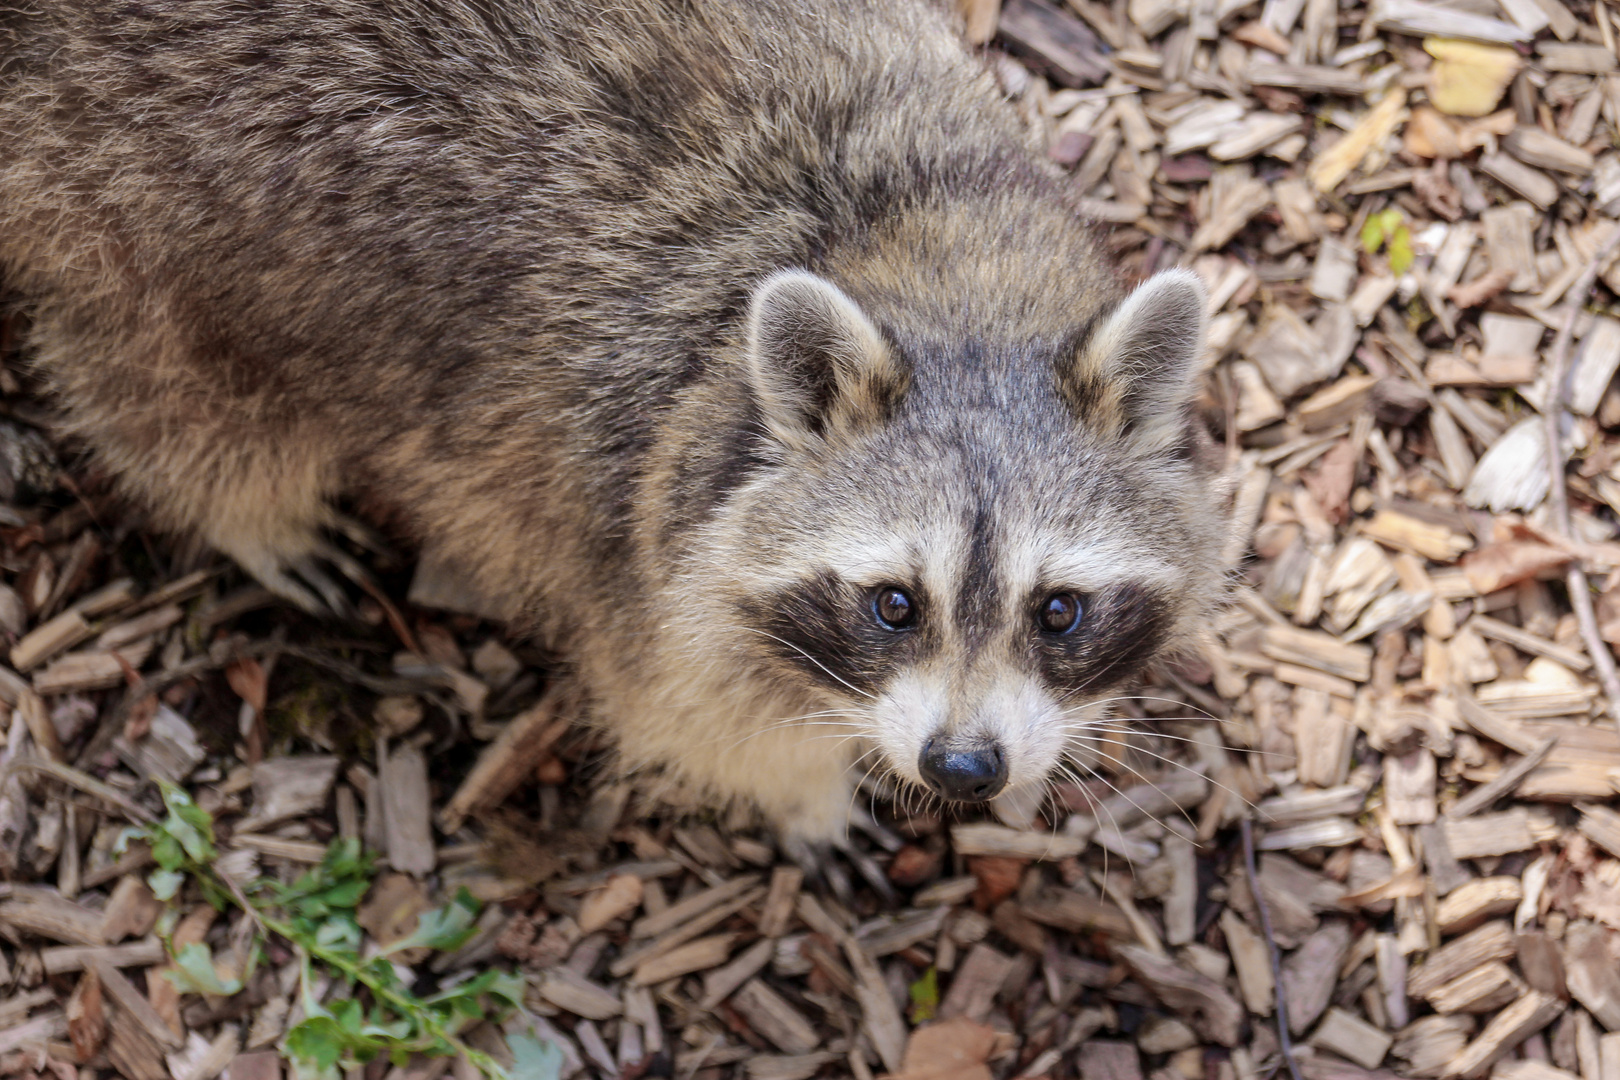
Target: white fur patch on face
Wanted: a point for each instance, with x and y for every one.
(1021, 715)
(909, 713)
(1014, 710)
(1089, 563)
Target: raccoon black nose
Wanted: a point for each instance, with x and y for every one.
(963, 775)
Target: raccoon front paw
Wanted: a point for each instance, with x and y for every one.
(825, 867)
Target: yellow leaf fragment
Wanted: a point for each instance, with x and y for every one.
(1340, 160)
(1468, 78)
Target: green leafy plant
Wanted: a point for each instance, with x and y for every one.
(317, 916)
(1388, 228)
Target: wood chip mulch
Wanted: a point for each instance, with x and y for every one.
(1369, 831)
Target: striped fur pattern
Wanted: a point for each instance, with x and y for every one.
(679, 325)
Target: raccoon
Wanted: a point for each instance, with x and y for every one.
(745, 350)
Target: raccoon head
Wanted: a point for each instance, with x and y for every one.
(961, 547)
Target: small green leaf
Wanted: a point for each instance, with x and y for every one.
(925, 996)
(1400, 250)
(533, 1059)
(195, 973)
(315, 1045)
(167, 852)
(345, 894)
(187, 825)
(1372, 234)
(349, 1015)
(446, 928)
(339, 933)
(165, 884)
(505, 987)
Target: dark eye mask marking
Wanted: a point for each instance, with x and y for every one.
(823, 627)
(1123, 628)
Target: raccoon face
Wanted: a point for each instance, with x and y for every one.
(962, 551)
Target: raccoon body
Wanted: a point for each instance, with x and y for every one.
(741, 348)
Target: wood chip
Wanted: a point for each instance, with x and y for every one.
(407, 804)
(71, 958)
(120, 992)
(1507, 1030)
(1590, 972)
(1328, 170)
(1351, 1037)
(771, 1015)
(131, 911)
(1602, 826)
(1543, 150)
(1493, 941)
(1583, 59)
(1316, 650)
(1077, 913)
(572, 992)
(684, 933)
(699, 955)
(693, 906)
(617, 898)
(1311, 972)
(722, 982)
(1202, 1001)
(45, 913)
(1485, 989)
(1252, 961)
(505, 762)
(49, 639)
(1054, 40)
(1489, 834)
(977, 981)
(289, 787)
(776, 912)
(1469, 905)
(990, 839)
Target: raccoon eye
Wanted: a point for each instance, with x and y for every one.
(893, 608)
(1060, 613)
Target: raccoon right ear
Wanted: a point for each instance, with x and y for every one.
(818, 367)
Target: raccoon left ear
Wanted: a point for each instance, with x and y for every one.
(1136, 373)
(818, 367)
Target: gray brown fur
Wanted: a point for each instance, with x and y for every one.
(495, 266)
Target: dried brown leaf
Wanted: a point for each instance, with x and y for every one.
(1496, 566)
(955, 1049)
(247, 677)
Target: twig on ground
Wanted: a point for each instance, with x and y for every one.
(1580, 596)
(1283, 1040)
(85, 783)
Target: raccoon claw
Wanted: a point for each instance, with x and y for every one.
(283, 586)
(878, 834)
(307, 583)
(332, 598)
(823, 866)
(365, 537)
(820, 869)
(869, 869)
(347, 565)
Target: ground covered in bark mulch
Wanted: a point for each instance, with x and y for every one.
(1367, 832)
